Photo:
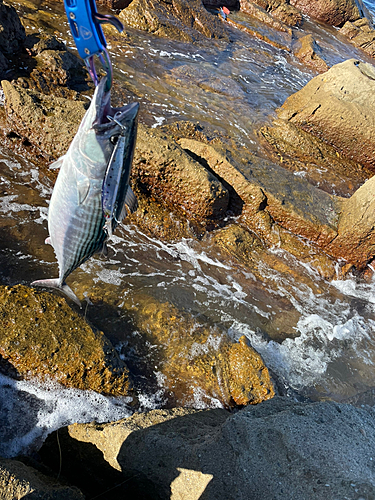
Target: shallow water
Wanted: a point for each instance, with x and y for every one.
(232, 88)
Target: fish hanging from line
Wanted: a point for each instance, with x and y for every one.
(92, 192)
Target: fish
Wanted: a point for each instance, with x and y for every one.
(85, 207)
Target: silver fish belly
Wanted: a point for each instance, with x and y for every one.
(76, 220)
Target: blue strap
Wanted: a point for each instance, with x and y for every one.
(85, 25)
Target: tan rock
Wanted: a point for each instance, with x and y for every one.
(281, 10)
(42, 337)
(48, 122)
(18, 480)
(333, 12)
(256, 9)
(338, 108)
(309, 54)
(356, 237)
(166, 172)
(199, 362)
(179, 19)
(361, 35)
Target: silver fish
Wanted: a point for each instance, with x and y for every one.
(76, 221)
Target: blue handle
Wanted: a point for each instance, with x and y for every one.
(87, 32)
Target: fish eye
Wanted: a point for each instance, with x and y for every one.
(114, 139)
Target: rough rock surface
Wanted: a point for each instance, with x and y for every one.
(257, 11)
(319, 450)
(333, 12)
(309, 54)
(356, 238)
(180, 19)
(49, 123)
(42, 337)
(361, 34)
(281, 10)
(168, 173)
(18, 480)
(339, 108)
(272, 196)
(199, 362)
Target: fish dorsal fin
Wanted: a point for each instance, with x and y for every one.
(83, 187)
(130, 204)
(57, 164)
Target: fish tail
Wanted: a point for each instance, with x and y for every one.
(55, 283)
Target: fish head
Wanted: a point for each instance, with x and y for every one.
(100, 129)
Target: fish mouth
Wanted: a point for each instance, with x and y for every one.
(107, 117)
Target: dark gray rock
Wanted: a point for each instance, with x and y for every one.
(12, 33)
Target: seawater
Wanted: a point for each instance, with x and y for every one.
(233, 88)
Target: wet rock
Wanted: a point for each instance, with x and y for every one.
(310, 450)
(312, 159)
(361, 34)
(166, 172)
(199, 363)
(254, 10)
(46, 122)
(12, 33)
(309, 54)
(179, 19)
(333, 12)
(42, 337)
(272, 196)
(338, 108)
(280, 10)
(355, 241)
(18, 480)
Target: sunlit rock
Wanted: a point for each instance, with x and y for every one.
(334, 12)
(199, 364)
(18, 480)
(165, 171)
(309, 54)
(42, 337)
(361, 34)
(310, 450)
(179, 19)
(277, 13)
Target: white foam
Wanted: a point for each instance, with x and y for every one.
(34, 410)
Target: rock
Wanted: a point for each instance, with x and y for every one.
(12, 33)
(49, 123)
(179, 19)
(309, 54)
(338, 107)
(257, 11)
(198, 363)
(272, 196)
(281, 10)
(18, 480)
(355, 241)
(166, 172)
(42, 337)
(361, 35)
(312, 159)
(333, 12)
(318, 450)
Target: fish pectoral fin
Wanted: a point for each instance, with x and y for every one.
(55, 283)
(130, 204)
(103, 251)
(83, 187)
(57, 164)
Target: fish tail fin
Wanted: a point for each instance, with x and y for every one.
(55, 283)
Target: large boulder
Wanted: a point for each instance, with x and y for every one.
(12, 33)
(41, 336)
(279, 449)
(333, 12)
(179, 19)
(338, 107)
(361, 34)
